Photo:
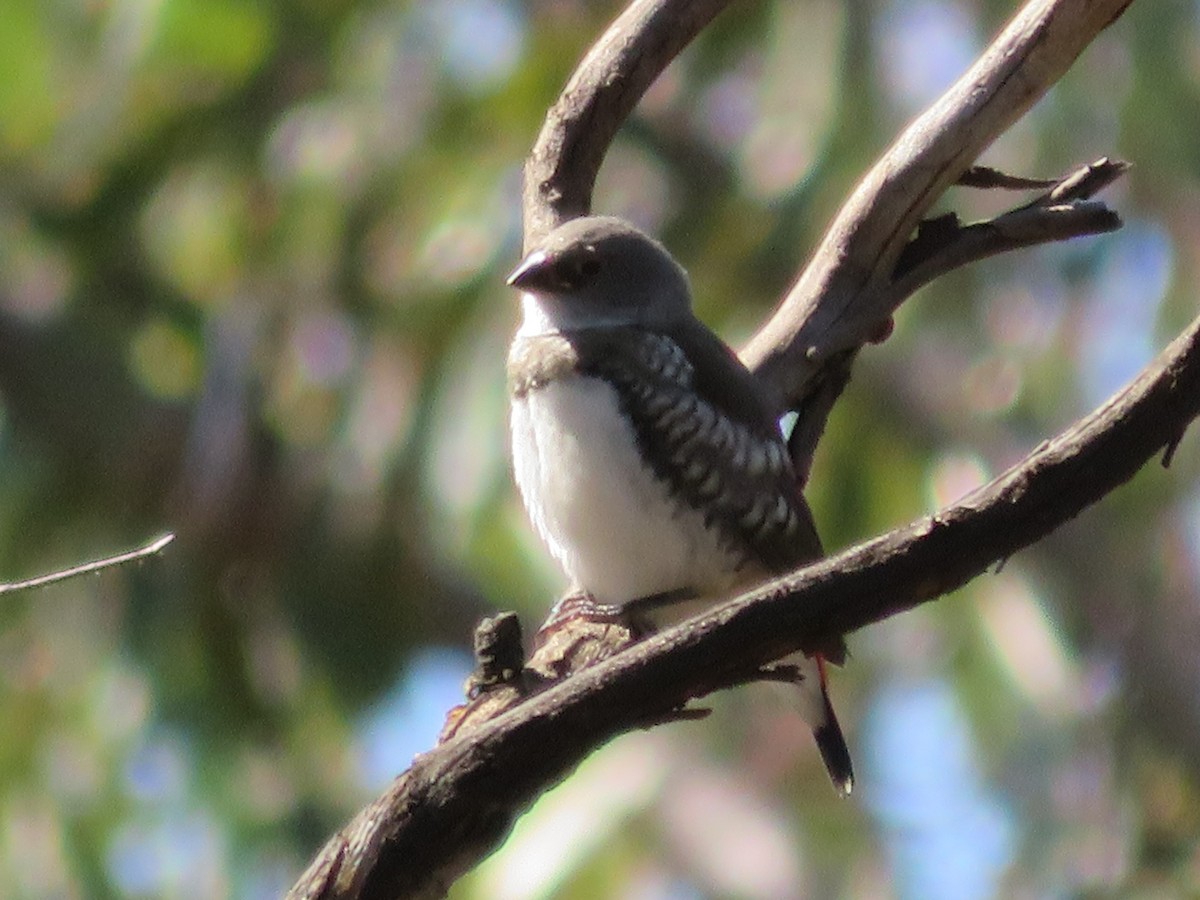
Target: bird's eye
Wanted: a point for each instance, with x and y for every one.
(578, 269)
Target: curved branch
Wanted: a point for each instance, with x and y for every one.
(561, 170)
(942, 244)
(843, 296)
(458, 801)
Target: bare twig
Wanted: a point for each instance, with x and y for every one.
(1084, 183)
(987, 178)
(1014, 230)
(87, 568)
(1058, 214)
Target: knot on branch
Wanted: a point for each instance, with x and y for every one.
(575, 636)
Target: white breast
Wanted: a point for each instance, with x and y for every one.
(611, 524)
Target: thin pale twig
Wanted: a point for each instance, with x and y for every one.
(87, 568)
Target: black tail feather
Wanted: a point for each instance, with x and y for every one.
(831, 742)
(835, 753)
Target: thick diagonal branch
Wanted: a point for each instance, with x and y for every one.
(457, 802)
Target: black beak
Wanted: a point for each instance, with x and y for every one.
(535, 271)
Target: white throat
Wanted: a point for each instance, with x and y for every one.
(536, 319)
(541, 317)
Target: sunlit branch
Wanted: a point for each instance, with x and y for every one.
(843, 296)
(579, 128)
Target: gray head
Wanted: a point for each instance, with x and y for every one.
(601, 271)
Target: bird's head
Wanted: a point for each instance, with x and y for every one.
(598, 272)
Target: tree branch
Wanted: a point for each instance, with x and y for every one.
(1064, 211)
(519, 737)
(943, 244)
(844, 295)
(561, 170)
(458, 801)
(963, 244)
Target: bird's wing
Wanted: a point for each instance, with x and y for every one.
(709, 437)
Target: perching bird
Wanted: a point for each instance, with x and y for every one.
(646, 458)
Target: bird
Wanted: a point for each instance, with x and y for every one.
(646, 456)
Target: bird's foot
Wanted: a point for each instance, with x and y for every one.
(583, 606)
(578, 633)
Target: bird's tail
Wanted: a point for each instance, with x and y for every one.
(818, 712)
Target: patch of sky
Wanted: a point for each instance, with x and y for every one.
(179, 855)
(157, 770)
(1117, 334)
(406, 721)
(948, 836)
(922, 48)
(269, 876)
(479, 42)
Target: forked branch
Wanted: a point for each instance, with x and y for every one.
(457, 802)
(846, 293)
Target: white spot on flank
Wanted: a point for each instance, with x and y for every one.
(740, 450)
(782, 511)
(756, 461)
(657, 402)
(683, 430)
(680, 411)
(752, 519)
(775, 457)
(711, 486)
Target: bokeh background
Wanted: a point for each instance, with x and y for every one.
(251, 291)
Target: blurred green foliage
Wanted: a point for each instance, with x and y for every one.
(251, 267)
